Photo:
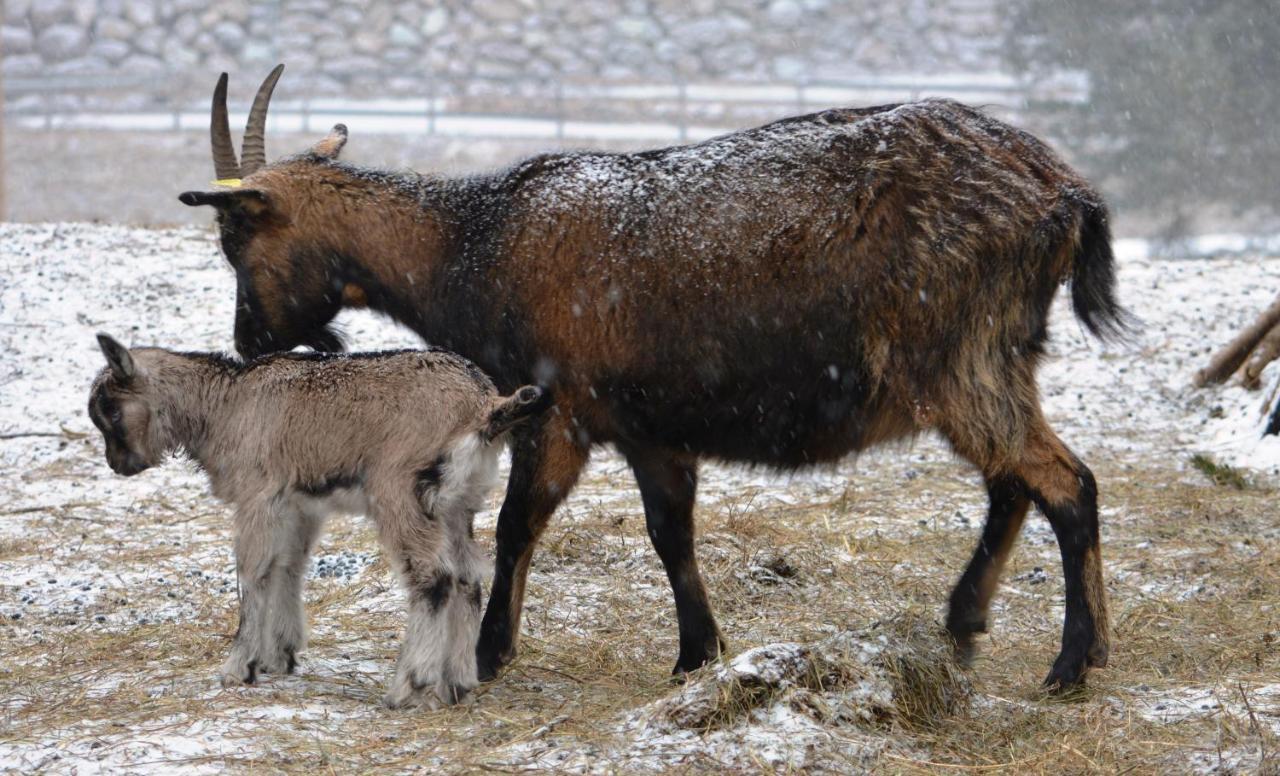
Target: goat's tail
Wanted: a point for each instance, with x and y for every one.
(1093, 279)
(514, 409)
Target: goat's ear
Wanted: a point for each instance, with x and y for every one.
(331, 146)
(118, 358)
(254, 202)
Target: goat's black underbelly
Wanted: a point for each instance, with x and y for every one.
(792, 414)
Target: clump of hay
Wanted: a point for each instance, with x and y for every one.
(900, 671)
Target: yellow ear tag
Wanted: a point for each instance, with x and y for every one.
(231, 183)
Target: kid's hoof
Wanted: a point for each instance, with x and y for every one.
(281, 663)
(237, 672)
(431, 696)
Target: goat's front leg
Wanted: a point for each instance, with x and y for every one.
(546, 460)
(293, 536)
(254, 562)
(668, 484)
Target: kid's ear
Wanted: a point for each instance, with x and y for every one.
(253, 202)
(118, 358)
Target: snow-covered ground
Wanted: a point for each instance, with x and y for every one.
(116, 595)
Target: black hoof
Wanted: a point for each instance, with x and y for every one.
(693, 658)
(962, 630)
(1067, 674)
(490, 664)
(963, 649)
(1098, 655)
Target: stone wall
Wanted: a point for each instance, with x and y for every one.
(398, 47)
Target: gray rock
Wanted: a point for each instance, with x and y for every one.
(706, 34)
(300, 58)
(733, 58)
(502, 10)
(49, 12)
(325, 84)
(150, 40)
(638, 28)
(16, 10)
(110, 50)
(292, 41)
(79, 66)
(785, 12)
(15, 40)
(332, 48)
(180, 56)
(185, 27)
(312, 7)
(205, 44)
(229, 34)
(300, 61)
(435, 21)
(61, 41)
(401, 34)
(790, 68)
(114, 27)
(23, 64)
(140, 12)
(142, 63)
(347, 17)
(486, 67)
(367, 42)
(84, 12)
(351, 64)
(401, 56)
(235, 10)
(410, 13)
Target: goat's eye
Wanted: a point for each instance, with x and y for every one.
(116, 415)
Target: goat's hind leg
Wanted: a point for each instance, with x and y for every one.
(440, 569)
(971, 598)
(1044, 472)
(1065, 491)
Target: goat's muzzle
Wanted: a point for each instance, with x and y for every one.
(127, 465)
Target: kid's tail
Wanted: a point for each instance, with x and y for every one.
(511, 410)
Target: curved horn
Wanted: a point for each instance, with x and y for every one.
(225, 165)
(253, 153)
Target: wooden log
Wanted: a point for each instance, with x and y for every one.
(1266, 352)
(1227, 360)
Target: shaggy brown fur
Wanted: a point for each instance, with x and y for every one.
(289, 439)
(782, 295)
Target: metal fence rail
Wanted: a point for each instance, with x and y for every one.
(560, 109)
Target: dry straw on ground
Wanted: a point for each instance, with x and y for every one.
(1194, 576)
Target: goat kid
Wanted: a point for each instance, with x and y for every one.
(407, 437)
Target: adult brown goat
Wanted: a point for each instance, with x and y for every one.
(782, 295)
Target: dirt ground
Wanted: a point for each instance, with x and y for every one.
(117, 596)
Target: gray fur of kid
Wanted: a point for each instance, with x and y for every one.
(409, 438)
